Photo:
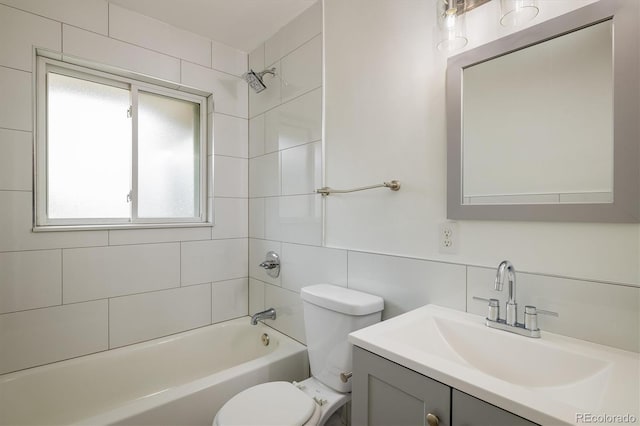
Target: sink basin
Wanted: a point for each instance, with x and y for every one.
(518, 360)
(548, 380)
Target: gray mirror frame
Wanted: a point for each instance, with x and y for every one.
(626, 104)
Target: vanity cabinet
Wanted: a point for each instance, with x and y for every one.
(385, 393)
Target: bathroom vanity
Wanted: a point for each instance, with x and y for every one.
(436, 365)
(387, 393)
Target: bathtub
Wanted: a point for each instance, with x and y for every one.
(182, 379)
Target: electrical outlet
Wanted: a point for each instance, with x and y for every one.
(448, 237)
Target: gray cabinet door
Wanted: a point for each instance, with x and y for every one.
(387, 394)
(471, 411)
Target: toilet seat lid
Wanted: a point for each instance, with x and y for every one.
(273, 403)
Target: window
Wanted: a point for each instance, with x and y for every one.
(114, 151)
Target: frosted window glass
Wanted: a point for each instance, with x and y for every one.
(89, 149)
(167, 157)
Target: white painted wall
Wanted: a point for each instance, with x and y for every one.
(385, 119)
(66, 294)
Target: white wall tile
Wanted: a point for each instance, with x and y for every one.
(256, 58)
(104, 50)
(264, 175)
(602, 313)
(269, 97)
(289, 315)
(230, 136)
(16, 160)
(229, 92)
(15, 103)
(230, 299)
(294, 123)
(231, 177)
(156, 35)
(22, 31)
(160, 235)
(406, 283)
(256, 296)
(230, 218)
(30, 279)
(301, 169)
(228, 59)
(294, 219)
(91, 15)
(160, 313)
(99, 272)
(300, 30)
(308, 265)
(302, 69)
(16, 228)
(256, 136)
(256, 217)
(258, 250)
(42, 336)
(217, 260)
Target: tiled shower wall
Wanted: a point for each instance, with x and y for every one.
(285, 216)
(66, 294)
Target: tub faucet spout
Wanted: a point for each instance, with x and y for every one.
(268, 314)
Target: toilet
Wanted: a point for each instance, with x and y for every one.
(330, 314)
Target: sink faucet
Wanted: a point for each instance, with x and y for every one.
(512, 307)
(530, 326)
(268, 314)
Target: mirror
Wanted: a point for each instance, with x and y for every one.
(542, 124)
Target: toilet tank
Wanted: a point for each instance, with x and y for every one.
(330, 314)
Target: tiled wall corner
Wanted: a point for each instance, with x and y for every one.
(64, 294)
(288, 306)
(230, 299)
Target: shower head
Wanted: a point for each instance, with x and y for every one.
(255, 79)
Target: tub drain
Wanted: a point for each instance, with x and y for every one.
(265, 339)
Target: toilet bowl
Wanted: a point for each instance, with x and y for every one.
(330, 314)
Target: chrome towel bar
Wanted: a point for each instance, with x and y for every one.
(394, 185)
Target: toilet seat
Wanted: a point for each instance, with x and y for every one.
(273, 403)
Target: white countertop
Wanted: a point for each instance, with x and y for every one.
(551, 390)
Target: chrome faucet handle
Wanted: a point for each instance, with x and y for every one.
(494, 310)
(549, 313)
(530, 318)
(271, 264)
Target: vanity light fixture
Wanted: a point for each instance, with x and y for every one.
(452, 33)
(517, 12)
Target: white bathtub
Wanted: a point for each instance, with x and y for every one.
(178, 380)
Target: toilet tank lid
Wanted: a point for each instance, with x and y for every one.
(341, 299)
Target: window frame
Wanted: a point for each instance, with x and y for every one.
(128, 81)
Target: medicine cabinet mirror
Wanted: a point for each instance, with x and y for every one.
(543, 124)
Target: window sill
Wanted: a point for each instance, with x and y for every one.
(116, 226)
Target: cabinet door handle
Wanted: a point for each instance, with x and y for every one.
(432, 420)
